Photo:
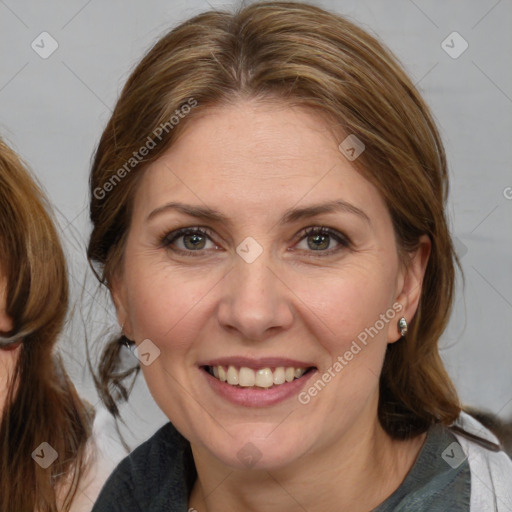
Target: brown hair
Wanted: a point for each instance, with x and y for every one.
(303, 55)
(42, 404)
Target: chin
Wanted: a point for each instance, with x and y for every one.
(254, 449)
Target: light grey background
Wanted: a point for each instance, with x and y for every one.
(53, 110)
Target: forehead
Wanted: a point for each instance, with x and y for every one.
(256, 158)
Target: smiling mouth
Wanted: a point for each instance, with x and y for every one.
(265, 378)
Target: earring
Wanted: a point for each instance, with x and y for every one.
(402, 326)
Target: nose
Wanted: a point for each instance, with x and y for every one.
(255, 301)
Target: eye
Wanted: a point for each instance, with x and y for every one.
(187, 240)
(193, 240)
(318, 239)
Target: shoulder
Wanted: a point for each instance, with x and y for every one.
(153, 472)
(93, 475)
(98, 464)
(491, 469)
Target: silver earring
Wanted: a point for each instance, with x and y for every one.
(402, 326)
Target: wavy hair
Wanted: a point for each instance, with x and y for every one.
(301, 55)
(41, 403)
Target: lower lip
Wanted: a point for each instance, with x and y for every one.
(257, 397)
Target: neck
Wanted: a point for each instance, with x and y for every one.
(357, 474)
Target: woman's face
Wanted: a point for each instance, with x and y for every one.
(256, 291)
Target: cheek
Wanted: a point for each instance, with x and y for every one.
(349, 303)
(166, 306)
(354, 344)
(163, 303)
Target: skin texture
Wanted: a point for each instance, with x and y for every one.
(252, 162)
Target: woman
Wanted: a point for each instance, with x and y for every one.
(44, 426)
(268, 214)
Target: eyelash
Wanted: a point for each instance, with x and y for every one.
(169, 238)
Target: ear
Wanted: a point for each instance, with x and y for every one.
(410, 284)
(119, 296)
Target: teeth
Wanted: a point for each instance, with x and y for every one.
(299, 372)
(232, 376)
(279, 377)
(262, 378)
(246, 377)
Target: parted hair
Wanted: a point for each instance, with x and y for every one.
(42, 404)
(301, 55)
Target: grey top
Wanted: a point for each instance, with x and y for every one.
(158, 477)
(440, 479)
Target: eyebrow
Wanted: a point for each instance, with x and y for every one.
(289, 217)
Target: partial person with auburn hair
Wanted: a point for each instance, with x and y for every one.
(45, 459)
(268, 209)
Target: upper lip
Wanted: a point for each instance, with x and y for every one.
(263, 362)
